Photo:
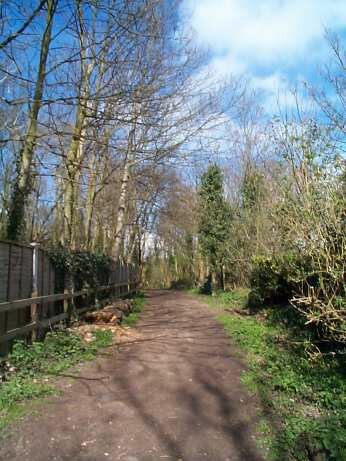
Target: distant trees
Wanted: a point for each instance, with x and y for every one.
(172, 256)
(106, 113)
(271, 213)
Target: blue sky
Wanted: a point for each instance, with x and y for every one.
(277, 44)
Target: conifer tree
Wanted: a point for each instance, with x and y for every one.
(213, 226)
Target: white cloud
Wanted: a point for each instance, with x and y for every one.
(280, 94)
(273, 35)
(263, 31)
(274, 81)
(227, 65)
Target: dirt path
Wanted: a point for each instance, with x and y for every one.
(173, 393)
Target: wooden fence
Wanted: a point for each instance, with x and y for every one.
(29, 305)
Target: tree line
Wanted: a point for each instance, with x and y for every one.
(98, 99)
(270, 213)
(109, 120)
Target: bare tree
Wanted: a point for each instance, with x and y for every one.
(22, 186)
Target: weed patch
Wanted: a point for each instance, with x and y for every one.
(138, 305)
(222, 299)
(33, 366)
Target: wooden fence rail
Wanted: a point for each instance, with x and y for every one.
(28, 304)
(50, 321)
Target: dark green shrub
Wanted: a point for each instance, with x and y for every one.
(206, 288)
(86, 269)
(275, 280)
(91, 269)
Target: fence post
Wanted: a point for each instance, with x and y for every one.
(34, 289)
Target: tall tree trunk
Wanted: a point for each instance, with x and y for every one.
(76, 154)
(23, 183)
(74, 163)
(90, 209)
(121, 209)
(59, 209)
(132, 244)
(119, 229)
(71, 187)
(95, 173)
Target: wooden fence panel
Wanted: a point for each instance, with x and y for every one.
(25, 285)
(14, 282)
(45, 285)
(17, 283)
(4, 260)
(116, 276)
(4, 263)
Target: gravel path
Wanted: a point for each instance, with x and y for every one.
(172, 392)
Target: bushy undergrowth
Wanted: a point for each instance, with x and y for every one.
(276, 280)
(317, 295)
(32, 366)
(305, 400)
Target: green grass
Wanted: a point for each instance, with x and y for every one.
(222, 299)
(138, 305)
(37, 364)
(304, 401)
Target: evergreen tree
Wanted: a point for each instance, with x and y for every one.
(213, 227)
(252, 189)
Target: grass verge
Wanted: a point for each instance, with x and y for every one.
(304, 401)
(31, 368)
